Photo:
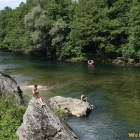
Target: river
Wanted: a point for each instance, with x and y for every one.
(114, 90)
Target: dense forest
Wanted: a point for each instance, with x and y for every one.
(65, 29)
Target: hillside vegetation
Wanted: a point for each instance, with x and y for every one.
(65, 29)
(11, 117)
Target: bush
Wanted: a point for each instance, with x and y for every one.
(10, 119)
(61, 114)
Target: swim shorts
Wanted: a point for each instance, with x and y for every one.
(36, 95)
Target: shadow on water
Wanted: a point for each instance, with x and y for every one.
(113, 90)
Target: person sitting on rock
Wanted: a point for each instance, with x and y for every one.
(83, 98)
(36, 95)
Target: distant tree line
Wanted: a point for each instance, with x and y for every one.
(65, 29)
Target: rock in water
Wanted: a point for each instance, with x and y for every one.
(9, 86)
(42, 124)
(71, 106)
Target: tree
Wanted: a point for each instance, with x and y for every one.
(37, 24)
(57, 33)
(132, 49)
(5, 15)
(60, 14)
(99, 27)
(13, 35)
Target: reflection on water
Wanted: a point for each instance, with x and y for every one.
(113, 90)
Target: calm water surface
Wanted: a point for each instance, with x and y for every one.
(115, 91)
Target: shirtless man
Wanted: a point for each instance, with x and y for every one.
(83, 98)
(90, 62)
(36, 95)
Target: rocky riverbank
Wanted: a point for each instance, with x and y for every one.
(42, 124)
(121, 61)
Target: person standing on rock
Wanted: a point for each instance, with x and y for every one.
(36, 95)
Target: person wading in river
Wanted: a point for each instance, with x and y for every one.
(90, 62)
(36, 95)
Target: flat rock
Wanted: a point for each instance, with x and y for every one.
(71, 106)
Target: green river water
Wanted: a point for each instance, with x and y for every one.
(114, 90)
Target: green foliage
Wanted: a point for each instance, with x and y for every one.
(36, 23)
(10, 119)
(59, 9)
(133, 46)
(12, 38)
(60, 14)
(61, 114)
(66, 29)
(58, 28)
(58, 32)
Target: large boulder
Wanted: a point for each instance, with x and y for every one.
(9, 88)
(42, 124)
(71, 106)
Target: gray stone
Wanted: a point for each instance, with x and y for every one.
(42, 124)
(9, 86)
(119, 61)
(71, 106)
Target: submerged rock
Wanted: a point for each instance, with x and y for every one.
(9, 86)
(71, 106)
(42, 124)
